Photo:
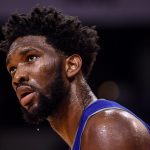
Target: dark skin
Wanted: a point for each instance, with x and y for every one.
(34, 61)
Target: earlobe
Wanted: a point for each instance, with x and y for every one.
(73, 65)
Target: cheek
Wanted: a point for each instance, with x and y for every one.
(47, 69)
(43, 74)
(46, 66)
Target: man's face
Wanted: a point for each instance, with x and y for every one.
(37, 76)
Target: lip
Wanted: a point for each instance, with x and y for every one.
(25, 94)
(26, 100)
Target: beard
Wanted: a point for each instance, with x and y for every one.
(47, 106)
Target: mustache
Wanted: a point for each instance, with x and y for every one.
(32, 86)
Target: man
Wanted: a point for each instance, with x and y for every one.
(49, 57)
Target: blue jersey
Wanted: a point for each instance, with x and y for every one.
(93, 108)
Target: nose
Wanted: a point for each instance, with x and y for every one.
(21, 75)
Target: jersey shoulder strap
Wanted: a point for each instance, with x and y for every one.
(93, 108)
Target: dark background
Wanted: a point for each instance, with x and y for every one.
(121, 72)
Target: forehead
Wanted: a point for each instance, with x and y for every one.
(38, 42)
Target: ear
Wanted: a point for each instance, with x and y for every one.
(73, 65)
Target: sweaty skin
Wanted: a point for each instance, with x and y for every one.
(115, 130)
(28, 61)
(33, 65)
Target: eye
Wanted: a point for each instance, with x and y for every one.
(12, 70)
(32, 58)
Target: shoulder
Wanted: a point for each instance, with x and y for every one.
(114, 130)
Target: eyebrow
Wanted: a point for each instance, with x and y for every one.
(25, 51)
(22, 52)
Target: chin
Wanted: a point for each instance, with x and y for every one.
(40, 110)
(46, 106)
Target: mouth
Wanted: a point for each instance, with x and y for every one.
(26, 98)
(25, 94)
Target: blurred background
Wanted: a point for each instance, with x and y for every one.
(121, 72)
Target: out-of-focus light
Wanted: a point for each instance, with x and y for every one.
(108, 90)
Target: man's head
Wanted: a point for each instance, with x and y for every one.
(38, 77)
(43, 48)
(65, 33)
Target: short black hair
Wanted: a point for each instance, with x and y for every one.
(65, 33)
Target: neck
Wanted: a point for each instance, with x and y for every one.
(65, 122)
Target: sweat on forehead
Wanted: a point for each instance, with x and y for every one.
(30, 41)
(66, 33)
